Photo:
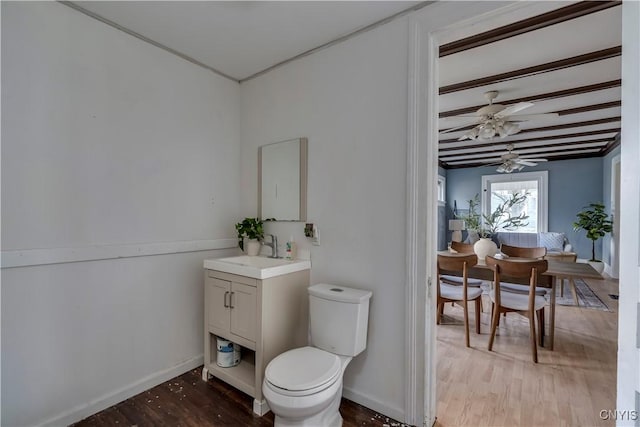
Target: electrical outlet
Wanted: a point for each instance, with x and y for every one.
(308, 230)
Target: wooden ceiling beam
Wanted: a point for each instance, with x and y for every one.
(541, 97)
(550, 155)
(573, 125)
(567, 157)
(494, 149)
(553, 17)
(612, 145)
(592, 107)
(550, 128)
(560, 64)
(542, 138)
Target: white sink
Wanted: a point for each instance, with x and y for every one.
(258, 267)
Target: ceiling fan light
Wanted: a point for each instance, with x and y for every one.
(502, 131)
(486, 132)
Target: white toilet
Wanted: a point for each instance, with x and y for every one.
(303, 386)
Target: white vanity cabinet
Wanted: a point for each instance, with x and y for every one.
(265, 317)
(231, 304)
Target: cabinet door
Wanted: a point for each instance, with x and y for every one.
(243, 311)
(218, 298)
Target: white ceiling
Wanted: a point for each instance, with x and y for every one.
(241, 38)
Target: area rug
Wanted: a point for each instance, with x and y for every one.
(587, 298)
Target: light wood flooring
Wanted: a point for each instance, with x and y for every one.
(568, 387)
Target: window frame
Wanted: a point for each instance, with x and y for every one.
(442, 190)
(542, 178)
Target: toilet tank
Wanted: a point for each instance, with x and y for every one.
(339, 318)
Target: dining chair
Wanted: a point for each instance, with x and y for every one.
(565, 257)
(455, 293)
(520, 252)
(528, 305)
(462, 248)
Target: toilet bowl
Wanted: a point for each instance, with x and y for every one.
(303, 386)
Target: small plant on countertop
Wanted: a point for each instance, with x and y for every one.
(251, 228)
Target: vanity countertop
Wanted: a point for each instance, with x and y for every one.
(257, 267)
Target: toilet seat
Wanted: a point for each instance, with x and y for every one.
(303, 371)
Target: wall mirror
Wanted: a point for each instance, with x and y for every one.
(282, 180)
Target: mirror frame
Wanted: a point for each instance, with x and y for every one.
(303, 179)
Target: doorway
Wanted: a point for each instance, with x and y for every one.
(427, 33)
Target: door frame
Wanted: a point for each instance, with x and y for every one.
(430, 27)
(614, 242)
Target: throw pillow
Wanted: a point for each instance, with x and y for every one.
(554, 242)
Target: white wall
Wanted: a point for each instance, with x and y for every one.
(628, 342)
(106, 141)
(351, 102)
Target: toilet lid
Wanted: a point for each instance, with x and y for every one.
(303, 368)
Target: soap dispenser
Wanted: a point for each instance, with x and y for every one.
(291, 249)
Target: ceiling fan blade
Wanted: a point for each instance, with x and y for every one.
(511, 109)
(525, 162)
(450, 118)
(526, 117)
(531, 159)
(456, 128)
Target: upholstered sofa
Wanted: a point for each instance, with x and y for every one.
(553, 241)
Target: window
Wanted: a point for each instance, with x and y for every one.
(442, 190)
(497, 187)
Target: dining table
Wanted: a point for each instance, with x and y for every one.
(548, 279)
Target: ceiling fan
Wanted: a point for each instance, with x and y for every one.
(510, 161)
(497, 119)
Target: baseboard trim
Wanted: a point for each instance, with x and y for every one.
(369, 402)
(608, 270)
(33, 257)
(84, 410)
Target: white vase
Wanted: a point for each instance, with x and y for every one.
(252, 246)
(484, 247)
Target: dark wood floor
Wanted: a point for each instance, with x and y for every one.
(188, 401)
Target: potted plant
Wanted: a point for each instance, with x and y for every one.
(251, 229)
(472, 219)
(594, 220)
(500, 219)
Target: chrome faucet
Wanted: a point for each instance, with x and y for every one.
(273, 245)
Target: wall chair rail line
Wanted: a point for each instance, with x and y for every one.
(458, 293)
